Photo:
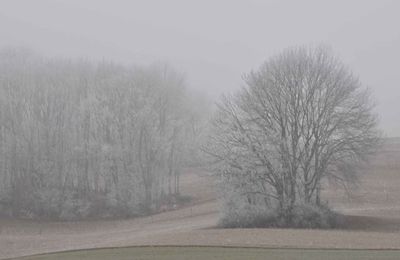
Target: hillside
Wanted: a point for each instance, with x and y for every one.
(372, 210)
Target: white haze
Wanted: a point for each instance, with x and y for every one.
(215, 42)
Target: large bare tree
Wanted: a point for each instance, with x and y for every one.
(302, 117)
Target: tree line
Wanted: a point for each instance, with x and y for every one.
(82, 139)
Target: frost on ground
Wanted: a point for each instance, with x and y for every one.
(373, 223)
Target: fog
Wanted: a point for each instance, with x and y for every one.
(215, 42)
(168, 129)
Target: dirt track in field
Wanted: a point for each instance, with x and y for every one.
(18, 238)
(373, 209)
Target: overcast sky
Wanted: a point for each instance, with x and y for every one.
(213, 41)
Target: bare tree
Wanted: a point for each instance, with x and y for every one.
(302, 117)
(78, 138)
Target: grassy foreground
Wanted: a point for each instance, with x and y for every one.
(197, 253)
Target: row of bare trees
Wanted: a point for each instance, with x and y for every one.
(302, 118)
(79, 139)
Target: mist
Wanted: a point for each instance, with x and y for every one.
(182, 129)
(214, 42)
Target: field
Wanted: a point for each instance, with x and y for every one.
(200, 253)
(372, 209)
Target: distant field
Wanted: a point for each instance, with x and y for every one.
(201, 253)
(372, 211)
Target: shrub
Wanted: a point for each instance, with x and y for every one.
(302, 216)
(249, 217)
(312, 216)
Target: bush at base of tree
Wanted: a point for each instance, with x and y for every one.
(302, 216)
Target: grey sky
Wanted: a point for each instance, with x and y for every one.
(213, 41)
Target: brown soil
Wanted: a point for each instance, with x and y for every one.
(372, 220)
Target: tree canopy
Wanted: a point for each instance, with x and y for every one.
(302, 118)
